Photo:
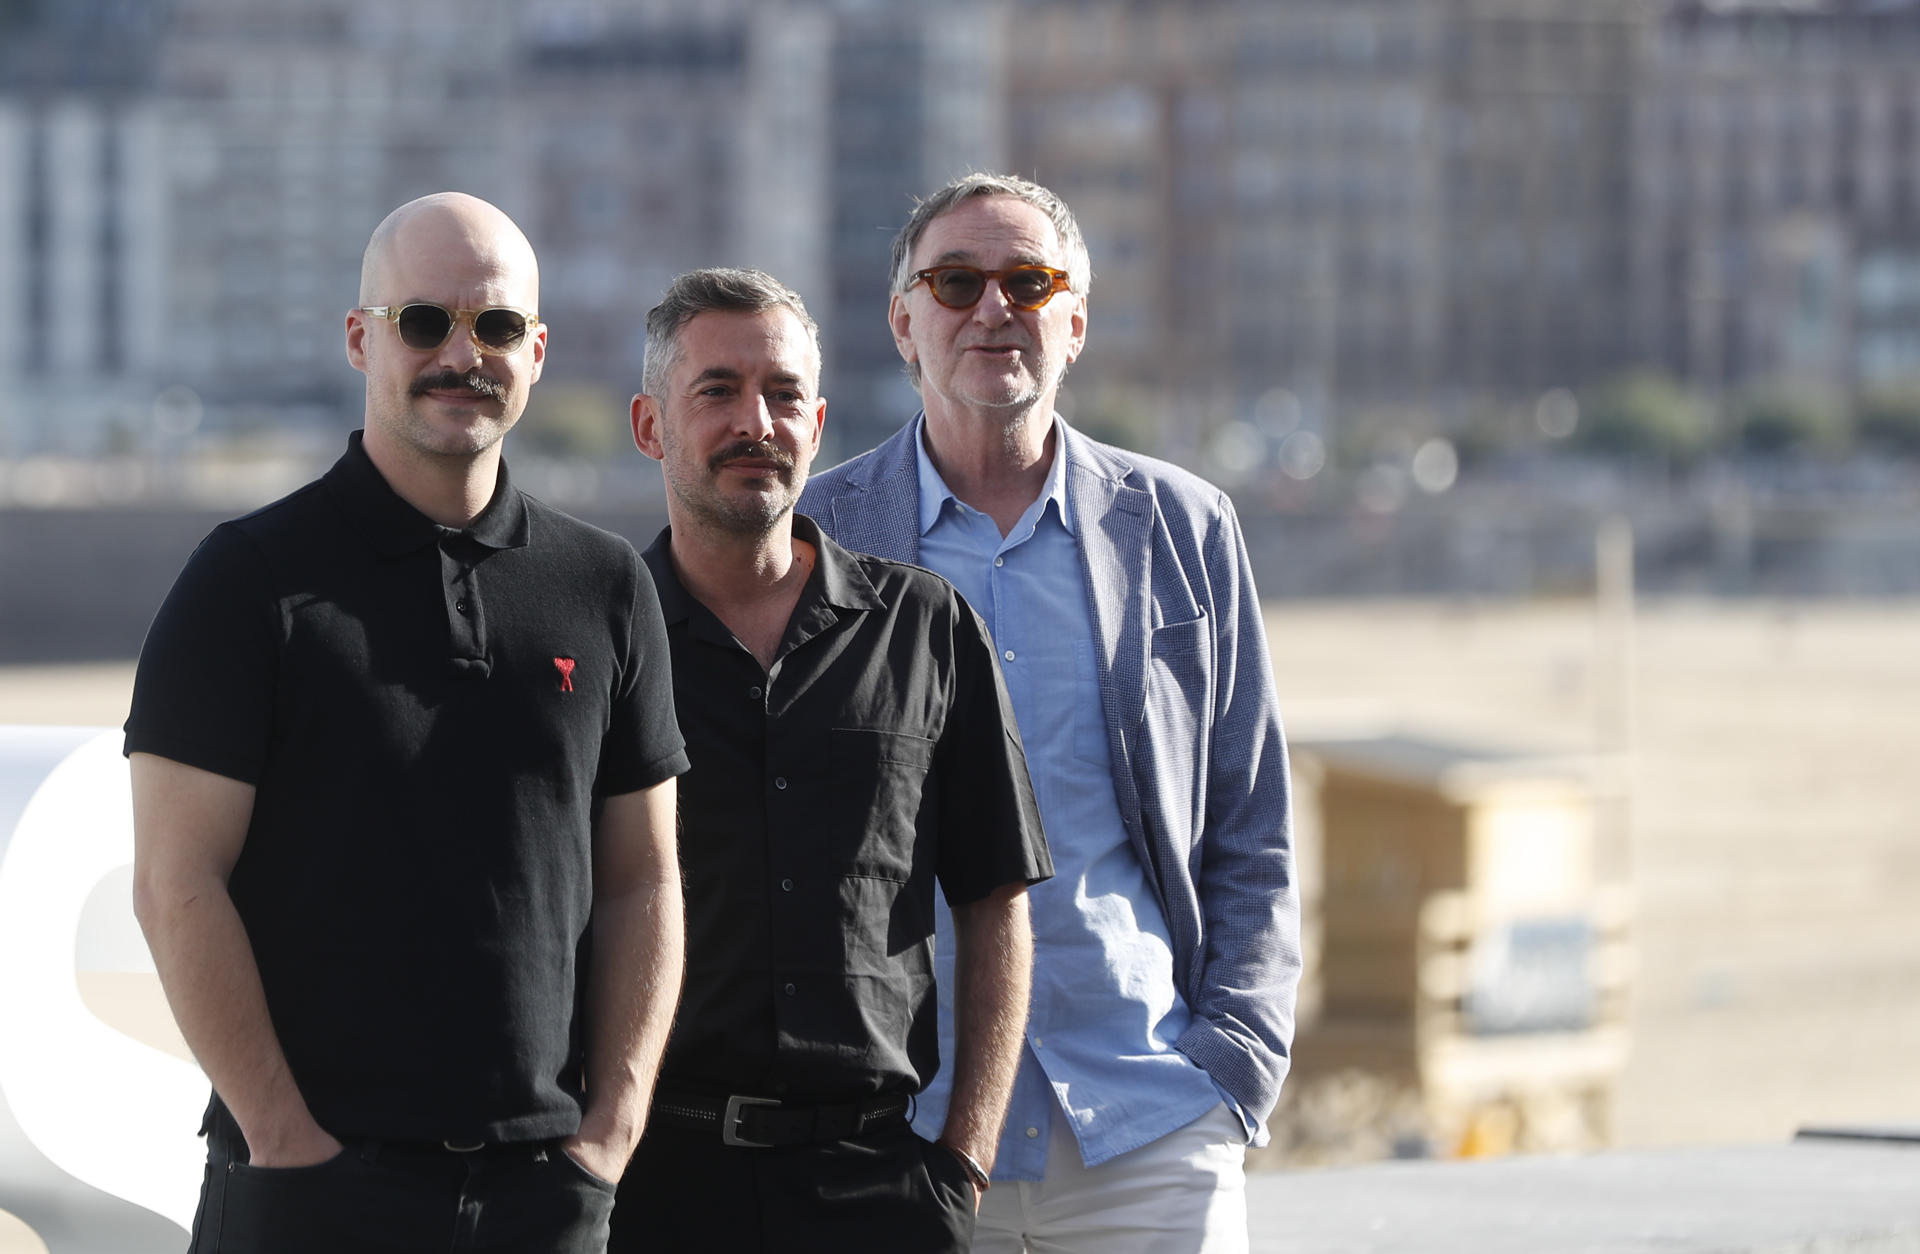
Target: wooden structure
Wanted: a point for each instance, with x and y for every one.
(1466, 946)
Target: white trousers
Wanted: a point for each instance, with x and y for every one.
(1185, 1193)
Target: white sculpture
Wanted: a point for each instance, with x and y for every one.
(98, 1153)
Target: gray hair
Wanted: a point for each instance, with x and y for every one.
(982, 183)
(715, 289)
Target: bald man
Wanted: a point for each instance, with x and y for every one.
(403, 751)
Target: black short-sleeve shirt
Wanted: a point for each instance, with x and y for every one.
(825, 798)
(428, 717)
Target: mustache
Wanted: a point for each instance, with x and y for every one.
(454, 380)
(757, 450)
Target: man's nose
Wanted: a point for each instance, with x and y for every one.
(460, 352)
(752, 419)
(993, 309)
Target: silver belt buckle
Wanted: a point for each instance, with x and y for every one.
(731, 1121)
(463, 1149)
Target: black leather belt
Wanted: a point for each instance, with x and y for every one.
(765, 1122)
(538, 1150)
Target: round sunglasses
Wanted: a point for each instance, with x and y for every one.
(424, 327)
(961, 287)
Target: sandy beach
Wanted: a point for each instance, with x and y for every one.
(1774, 824)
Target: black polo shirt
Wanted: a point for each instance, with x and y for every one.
(825, 797)
(428, 717)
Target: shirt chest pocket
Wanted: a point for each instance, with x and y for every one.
(880, 789)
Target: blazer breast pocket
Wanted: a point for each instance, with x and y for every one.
(1183, 639)
(1179, 686)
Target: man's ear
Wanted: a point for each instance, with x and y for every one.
(900, 322)
(357, 340)
(644, 414)
(1077, 337)
(539, 352)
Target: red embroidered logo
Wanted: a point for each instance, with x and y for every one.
(565, 666)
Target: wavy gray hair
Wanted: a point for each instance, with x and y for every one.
(983, 183)
(714, 289)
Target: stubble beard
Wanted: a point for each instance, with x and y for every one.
(416, 428)
(752, 518)
(469, 441)
(745, 514)
(1018, 409)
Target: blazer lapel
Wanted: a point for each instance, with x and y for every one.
(880, 513)
(1115, 523)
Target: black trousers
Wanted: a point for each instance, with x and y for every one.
(379, 1197)
(888, 1191)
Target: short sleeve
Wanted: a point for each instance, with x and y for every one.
(990, 832)
(643, 745)
(204, 689)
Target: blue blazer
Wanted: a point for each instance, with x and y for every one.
(1199, 762)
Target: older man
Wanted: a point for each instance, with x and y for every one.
(394, 740)
(1119, 597)
(851, 744)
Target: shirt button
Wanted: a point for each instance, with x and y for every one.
(1008, 655)
(786, 886)
(756, 692)
(780, 782)
(791, 990)
(1038, 1043)
(999, 561)
(460, 606)
(1033, 1132)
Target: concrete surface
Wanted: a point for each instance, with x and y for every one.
(1802, 1197)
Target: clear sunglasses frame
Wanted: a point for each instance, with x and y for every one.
(530, 321)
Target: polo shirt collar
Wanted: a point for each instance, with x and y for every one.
(934, 492)
(676, 603)
(394, 527)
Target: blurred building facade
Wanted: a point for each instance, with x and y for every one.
(183, 204)
(1297, 212)
(1777, 180)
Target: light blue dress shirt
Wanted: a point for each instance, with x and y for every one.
(1106, 1010)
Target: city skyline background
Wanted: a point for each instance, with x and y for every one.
(1342, 251)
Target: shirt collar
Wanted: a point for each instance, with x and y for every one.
(394, 527)
(842, 583)
(836, 580)
(934, 492)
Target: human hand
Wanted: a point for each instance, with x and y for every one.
(972, 1167)
(598, 1157)
(302, 1145)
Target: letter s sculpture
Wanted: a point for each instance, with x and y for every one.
(97, 1147)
